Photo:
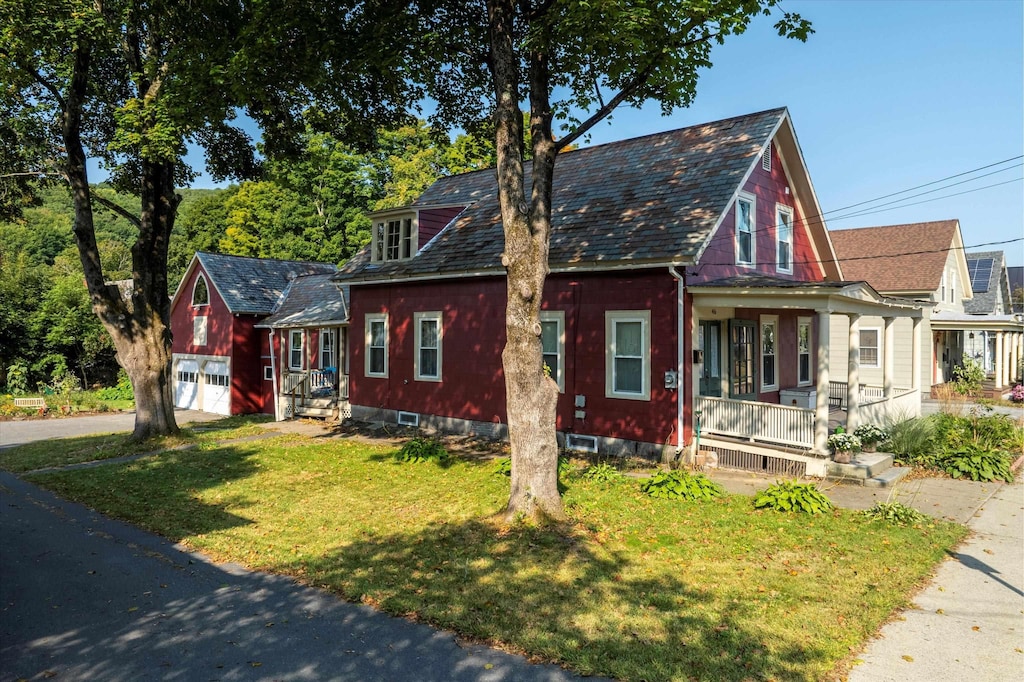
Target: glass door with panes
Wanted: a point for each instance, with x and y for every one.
(709, 341)
(742, 360)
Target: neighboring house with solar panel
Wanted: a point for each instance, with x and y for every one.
(991, 328)
(222, 362)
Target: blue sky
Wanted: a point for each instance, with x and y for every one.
(885, 96)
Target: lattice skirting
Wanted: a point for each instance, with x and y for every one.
(755, 461)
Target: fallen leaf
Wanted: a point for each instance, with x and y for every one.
(132, 608)
(988, 551)
(939, 611)
(908, 659)
(488, 666)
(976, 628)
(255, 664)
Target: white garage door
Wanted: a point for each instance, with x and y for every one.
(216, 388)
(186, 385)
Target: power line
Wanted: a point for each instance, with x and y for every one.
(915, 203)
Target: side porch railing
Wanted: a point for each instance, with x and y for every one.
(303, 385)
(906, 403)
(837, 393)
(766, 422)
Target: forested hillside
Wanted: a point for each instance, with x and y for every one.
(310, 208)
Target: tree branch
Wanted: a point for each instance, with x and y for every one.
(50, 87)
(119, 210)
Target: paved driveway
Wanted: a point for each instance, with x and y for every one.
(30, 430)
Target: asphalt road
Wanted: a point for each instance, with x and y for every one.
(29, 430)
(83, 597)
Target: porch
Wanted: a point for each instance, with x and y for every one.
(786, 409)
(321, 393)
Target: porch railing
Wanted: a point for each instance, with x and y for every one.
(314, 383)
(837, 391)
(767, 422)
(292, 381)
(906, 403)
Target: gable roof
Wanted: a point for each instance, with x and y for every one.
(908, 257)
(649, 200)
(250, 286)
(310, 301)
(986, 290)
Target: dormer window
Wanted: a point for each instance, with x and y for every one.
(200, 292)
(394, 238)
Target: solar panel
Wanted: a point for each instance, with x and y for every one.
(980, 271)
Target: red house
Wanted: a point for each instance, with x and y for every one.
(221, 362)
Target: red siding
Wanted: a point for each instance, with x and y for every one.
(246, 369)
(219, 328)
(769, 189)
(472, 385)
(433, 221)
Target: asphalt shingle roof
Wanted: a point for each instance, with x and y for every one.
(652, 198)
(894, 258)
(310, 300)
(984, 302)
(254, 285)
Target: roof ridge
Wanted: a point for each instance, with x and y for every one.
(266, 260)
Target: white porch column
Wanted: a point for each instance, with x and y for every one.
(821, 400)
(915, 355)
(1000, 364)
(1014, 356)
(888, 357)
(853, 376)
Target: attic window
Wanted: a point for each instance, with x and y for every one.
(200, 292)
(394, 238)
(766, 158)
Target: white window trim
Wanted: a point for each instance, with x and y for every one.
(370, 318)
(326, 332)
(772, 320)
(268, 373)
(557, 316)
(417, 318)
(292, 348)
(610, 318)
(783, 210)
(752, 200)
(943, 286)
(878, 335)
(376, 245)
(200, 278)
(200, 330)
(801, 321)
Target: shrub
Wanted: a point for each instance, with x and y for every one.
(420, 450)
(912, 440)
(790, 496)
(122, 391)
(977, 464)
(967, 377)
(675, 485)
(869, 434)
(1017, 394)
(844, 441)
(601, 473)
(895, 513)
(503, 467)
(17, 378)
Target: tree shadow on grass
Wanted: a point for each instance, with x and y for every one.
(559, 595)
(158, 493)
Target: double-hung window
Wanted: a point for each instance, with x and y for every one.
(295, 348)
(769, 352)
(552, 341)
(628, 354)
(428, 346)
(784, 239)
(745, 228)
(394, 239)
(377, 345)
(328, 342)
(870, 346)
(803, 351)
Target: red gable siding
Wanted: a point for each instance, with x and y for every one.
(219, 327)
(433, 221)
(769, 189)
(473, 329)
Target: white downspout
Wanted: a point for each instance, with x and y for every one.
(680, 352)
(273, 374)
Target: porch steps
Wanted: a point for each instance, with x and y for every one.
(874, 470)
(319, 412)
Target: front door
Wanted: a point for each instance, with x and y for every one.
(742, 360)
(709, 341)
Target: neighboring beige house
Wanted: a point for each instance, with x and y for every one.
(920, 261)
(993, 332)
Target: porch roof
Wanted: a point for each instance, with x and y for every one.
(760, 291)
(310, 301)
(952, 321)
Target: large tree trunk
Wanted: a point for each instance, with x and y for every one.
(139, 325)
(530, 395)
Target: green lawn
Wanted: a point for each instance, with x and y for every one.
(634, 588)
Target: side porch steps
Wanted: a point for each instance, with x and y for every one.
(870, 469)
(323, 408)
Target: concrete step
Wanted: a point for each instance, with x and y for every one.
(319, 412)
(864, 465)
(887, 478)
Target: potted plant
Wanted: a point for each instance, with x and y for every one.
(843, 446)
(870, 436)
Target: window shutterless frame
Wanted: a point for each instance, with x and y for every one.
(376, 345)
(628, 354)
(552, 341)
(746, 230)
(295, 349)
(783, 239)
(428, 346)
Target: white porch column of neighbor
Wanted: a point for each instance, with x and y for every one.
(1000, 365)
(915, 355)
(888, 357)
(1014, 356)
(853, 376)
(821, 399)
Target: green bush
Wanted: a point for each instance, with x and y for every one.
(17, 378)
(790, 496)
(420, 450)
(977, 464)
(675, 485)
(967, 378)
(601, 473)
(895, 513)
(503, 467)
(912, 441)
(122, 391)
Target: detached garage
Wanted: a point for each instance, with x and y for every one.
(202, 383)
(186, 385)
(216, 387)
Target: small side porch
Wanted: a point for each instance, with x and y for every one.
(767, 389)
